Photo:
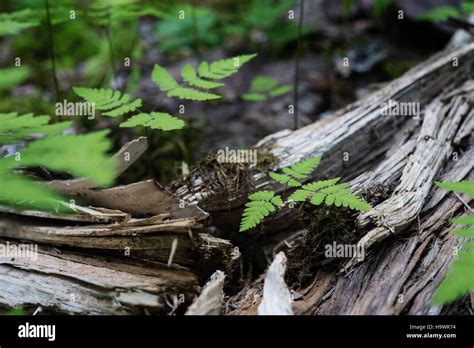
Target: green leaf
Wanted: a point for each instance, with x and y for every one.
(282, 90)
(15, 311)
(263, 84)
(163, 78)
(284, 179)
(459, 279)
(440, 13)
(14, 128)
(253, 97)
(299, 196)
(261, 204)
(223, 68)
(189, 75)
(191, 94)
(80, 155)
(464, 220)
(458, 186)
(155, 120)
(12, 77)
(112, 102)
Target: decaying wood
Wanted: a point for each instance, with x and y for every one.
(209, 302)
(89, 284)
(125, 157)
(276, 299)
(359, 129)
(408, 247)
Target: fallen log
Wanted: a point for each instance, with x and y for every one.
(405, 237)
(74, 283)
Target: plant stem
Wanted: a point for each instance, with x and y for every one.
(51, 50)
(196, 45)
(297, 67)
(111, 51)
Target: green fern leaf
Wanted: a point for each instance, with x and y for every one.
(458, 186)
(113, 103)
(11, 27)
(14, 128)
(284, 179)
(261, 204)
(264, 87)
(163, 78)
(223, 68)
(12, 77)
(192, 94)
(307, 166)
(327, 192)
(459, 279)
(282, 90)
(254, 97)
(155, 120)
(189, 75)
(80, 155)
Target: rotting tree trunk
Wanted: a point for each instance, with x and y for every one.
(406, 235)
(408, 247)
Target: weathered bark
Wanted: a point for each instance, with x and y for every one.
(89, 284)
(406, 237)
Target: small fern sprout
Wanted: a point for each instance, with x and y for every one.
(328, 192)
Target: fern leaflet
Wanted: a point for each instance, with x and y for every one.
(155, 120)
(114, 103)
(261, 204)
(327, 192)
(201, 78)
(264, 87)
(299, 170)
(460, 277)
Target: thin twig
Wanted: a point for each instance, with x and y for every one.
(51, 50)
(111, 51)
(196, 45)
(297, 67)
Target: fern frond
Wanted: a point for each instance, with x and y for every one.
(14, 128)
(80, 155)
(114, 103)
(163, 78)
(459, 279)
(155, 120)
(327, 192)
(223, 68)
(200, 79)
(11, 26)
(466, 186)
(192, 94)
(261, 204)
(12, 77)
(263, 87)
(168, 84)
(106, 12)
(298, 170)
(284, 179)
(190, 76)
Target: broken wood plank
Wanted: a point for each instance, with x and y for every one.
(209, 302)
(81, 284)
